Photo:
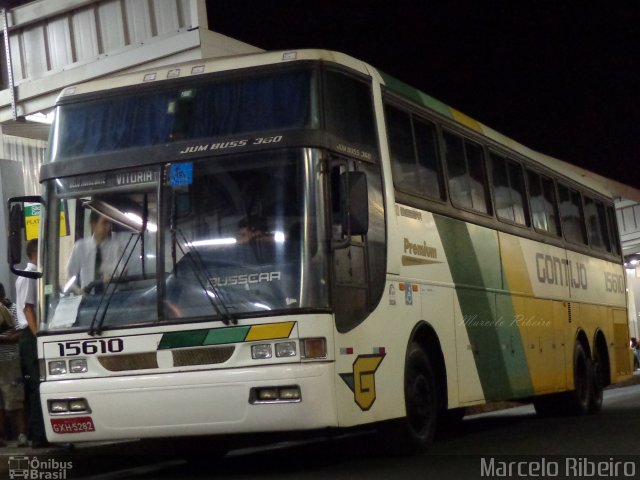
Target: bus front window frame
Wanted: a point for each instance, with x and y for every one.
(310, 257)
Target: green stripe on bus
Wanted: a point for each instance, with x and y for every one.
(190, 338)
(219, 336)
(410, 93)
(513, 351)
(198, 338)
(496, 340)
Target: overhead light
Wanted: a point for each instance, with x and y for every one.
(212, 241)
(45, 118)
(136, 218)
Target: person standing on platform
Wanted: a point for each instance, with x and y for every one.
(26, 301)
(11, 385)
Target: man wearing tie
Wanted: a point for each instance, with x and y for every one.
(93, 259)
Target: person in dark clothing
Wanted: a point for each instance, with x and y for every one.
(26, 299)
(12, 412)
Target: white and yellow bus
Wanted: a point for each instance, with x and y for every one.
(304, 242)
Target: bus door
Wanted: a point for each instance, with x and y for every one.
(357, 240)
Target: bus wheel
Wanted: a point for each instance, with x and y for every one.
(421, 400)
(578, 400)
(597, 383)
(449, 422)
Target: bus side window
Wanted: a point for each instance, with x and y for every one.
(403, 162)
(465, 168)
(414, 154)
(571, 215)
(508, 190)
(543, 203)
(349, 109)
(429, 170)
(596, 224)
(613, 230)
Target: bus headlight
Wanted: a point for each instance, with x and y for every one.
(57, 367)
(267, 394)
(58, 406)
(78, 365)
(287, 394)
(286, 349)
(78, 405)
(261, 351)
(68, 406)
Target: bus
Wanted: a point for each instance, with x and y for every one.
(301, 242)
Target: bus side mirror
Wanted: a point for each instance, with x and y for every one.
(14, 254)
(355, 194)
(16, 229)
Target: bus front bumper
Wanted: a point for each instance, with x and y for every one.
(203, 402)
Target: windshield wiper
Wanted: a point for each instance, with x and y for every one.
(97, 329)
(195, 261)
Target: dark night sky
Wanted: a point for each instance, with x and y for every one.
(561, 77)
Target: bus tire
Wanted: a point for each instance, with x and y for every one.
(597, 383)
(422, 401)
(449, 422)
(579, 399)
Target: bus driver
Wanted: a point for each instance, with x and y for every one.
(93, 259)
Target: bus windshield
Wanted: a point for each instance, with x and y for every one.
(193, 241)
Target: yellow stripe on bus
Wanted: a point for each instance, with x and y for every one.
(466, 120)
(514, 265)
(270, 331)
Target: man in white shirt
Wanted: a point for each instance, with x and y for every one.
(93, 259)
(26, 301)
(26, 295)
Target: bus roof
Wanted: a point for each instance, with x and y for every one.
(603, 185)
(218, 64)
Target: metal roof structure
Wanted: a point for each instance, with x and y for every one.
(55, 43)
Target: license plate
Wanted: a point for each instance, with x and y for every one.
(73, 425)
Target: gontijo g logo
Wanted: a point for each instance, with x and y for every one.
(362, 380)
